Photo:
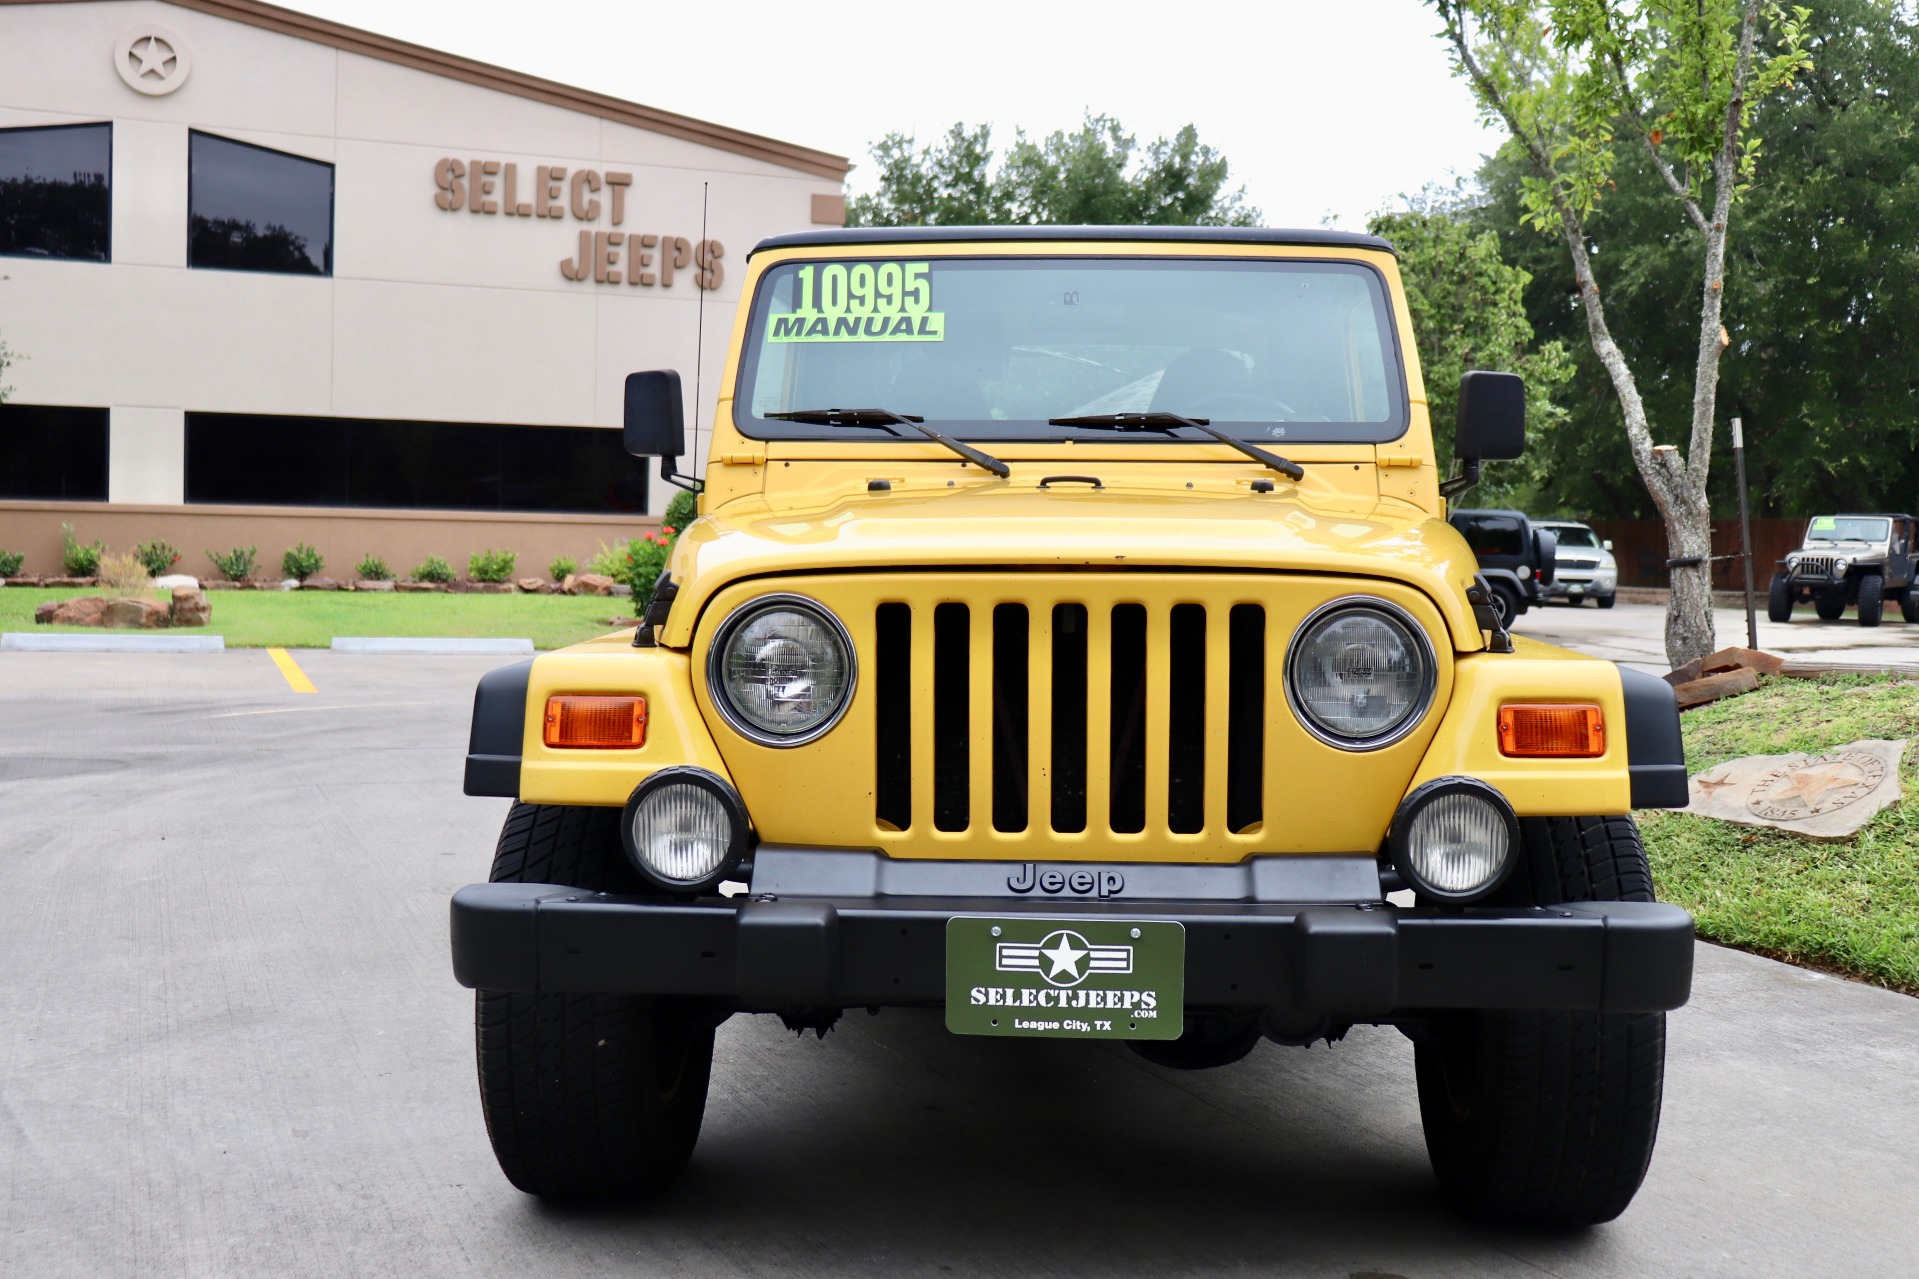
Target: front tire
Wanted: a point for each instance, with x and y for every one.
(1605, 601)
(587, 1097)
(1779, 599)
(1872, 599)
(1909, 603)
(1548, 1119)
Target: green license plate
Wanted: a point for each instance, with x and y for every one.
(1065, 978)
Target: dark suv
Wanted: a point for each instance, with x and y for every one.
(1515, 557)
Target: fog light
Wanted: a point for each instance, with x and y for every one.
(1454, 840)
(684, 829)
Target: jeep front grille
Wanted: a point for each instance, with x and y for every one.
(1060, 715)
(1813, 566)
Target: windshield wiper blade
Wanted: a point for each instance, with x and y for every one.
(1159, 421)
(888, 418)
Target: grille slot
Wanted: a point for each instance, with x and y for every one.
(1069, 717)
(1245, 718)
(893, 729)
(952, 720)
(1127, 773)
(1186, 722)
(1009, 717)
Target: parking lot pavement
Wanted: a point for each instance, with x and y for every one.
(233, 1047)
(1636, 634)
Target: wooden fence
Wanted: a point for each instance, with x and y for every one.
(1640, 548)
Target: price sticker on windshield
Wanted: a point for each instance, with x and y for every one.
(1824, 524)
(863, 302)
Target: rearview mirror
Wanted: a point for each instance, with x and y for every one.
(655, 415)
(1492, 417)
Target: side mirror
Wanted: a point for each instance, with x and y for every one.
(1606, 545)
(655, 414)
(1492, 417)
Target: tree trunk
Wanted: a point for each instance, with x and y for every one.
(1689, 621)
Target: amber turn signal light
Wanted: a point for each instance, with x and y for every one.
(1555, 731)
(596, 723)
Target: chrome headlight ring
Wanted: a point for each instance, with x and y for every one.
(730, 629)
(1421, 701)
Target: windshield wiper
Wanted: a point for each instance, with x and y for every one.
(889, 419)
(1172, 422)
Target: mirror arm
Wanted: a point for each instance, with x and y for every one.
(672, 475)
(1460, 483)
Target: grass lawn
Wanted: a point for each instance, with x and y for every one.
(310, 619)
(1848, 907)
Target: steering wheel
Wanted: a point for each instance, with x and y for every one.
(1222, 403)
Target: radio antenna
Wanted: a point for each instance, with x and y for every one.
(700, 278)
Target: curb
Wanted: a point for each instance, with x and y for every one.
(27, 642)
(351, 644)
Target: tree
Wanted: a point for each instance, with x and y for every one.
(1823, 366)
(1469, 311)
(1096, 176)
(1573, 80)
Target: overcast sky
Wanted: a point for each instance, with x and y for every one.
(1327, 109)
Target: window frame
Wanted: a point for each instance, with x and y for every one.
(74, 124)
(332, 207)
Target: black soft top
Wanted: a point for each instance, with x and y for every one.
(851, 236)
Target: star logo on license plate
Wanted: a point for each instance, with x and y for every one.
(1063, 958)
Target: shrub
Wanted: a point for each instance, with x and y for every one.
(10, 562)
(682, 510)
(157, 557)
(373, 569)
(608, 561)
(237, 564)
(559, 568)
(78, 560)
(125, 575)
(434, 570)
(490, 566)
(645, 557)
(301, 561)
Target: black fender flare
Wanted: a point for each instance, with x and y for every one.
(1655, 750)
(499, 727)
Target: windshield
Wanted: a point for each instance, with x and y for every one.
(1840, 528)
(1575, 535)
(991, 348)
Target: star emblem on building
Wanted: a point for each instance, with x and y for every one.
(155, 57)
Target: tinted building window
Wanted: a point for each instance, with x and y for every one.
(53, 455)
(255, 460)
(252, 209)
(56, 192)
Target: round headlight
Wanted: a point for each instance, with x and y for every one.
(1360, 673)
(684, 829)
(1454, 839)
(1840, 565)
(782, 670)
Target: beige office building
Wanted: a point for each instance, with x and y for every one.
(270, 279)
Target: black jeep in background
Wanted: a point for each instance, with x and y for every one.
(1515, 557)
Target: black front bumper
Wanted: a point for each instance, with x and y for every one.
(1351, 961)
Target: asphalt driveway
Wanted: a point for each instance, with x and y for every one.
(232, 1046)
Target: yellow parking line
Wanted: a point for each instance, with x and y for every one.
(296, 678)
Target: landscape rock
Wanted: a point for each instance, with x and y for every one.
(587, 584)
(135, 613)
(190, 607)
(322, 584)
(1829, 796)
(70, 581)
(490, 588)
(621, 588)
(371, 584)
(85, 611)
(414, 587)
(532, 585)
(172, 580)
(225, 586)
(289, 584)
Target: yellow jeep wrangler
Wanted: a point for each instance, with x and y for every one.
(1072, 640)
